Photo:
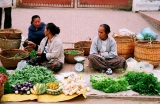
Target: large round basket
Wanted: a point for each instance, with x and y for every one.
(1, 91)
(85, 45)
(10, 57)
(144, 51)
(125, 46)
(69, 58)
(10, 34)
(10, 43)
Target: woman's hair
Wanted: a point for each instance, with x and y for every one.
(33, 17)
(107, 28)
(53, 28)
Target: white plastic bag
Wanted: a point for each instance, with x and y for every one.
(21, 64)
(139, 66)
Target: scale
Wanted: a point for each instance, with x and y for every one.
(79, 66)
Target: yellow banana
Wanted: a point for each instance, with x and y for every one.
(33, 91)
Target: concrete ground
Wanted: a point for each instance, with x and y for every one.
(79, 24)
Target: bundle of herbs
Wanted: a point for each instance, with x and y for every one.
(143, 83)
(108, 85)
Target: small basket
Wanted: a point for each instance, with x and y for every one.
(1, 91)
(10, 43)
(10, 34)
(28, 48)
(11, 63)
(85, 45)
(144, 51)
(125, 46)
(69, 58)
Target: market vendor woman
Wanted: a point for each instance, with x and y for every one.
(103, 52)
(50, 50)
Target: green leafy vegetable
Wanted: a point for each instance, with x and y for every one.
(33, 54)
(35, 74)
(73, 52)
(108, 85)
(143, 83)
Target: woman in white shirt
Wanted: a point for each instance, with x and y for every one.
(103, 52)
(50, 50)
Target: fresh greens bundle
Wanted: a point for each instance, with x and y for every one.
(108, 85)
(143, 83)
(34, 74)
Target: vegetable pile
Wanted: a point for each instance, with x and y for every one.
(108, 85)
(35, 74)
(143, 83)
(21, 88)
(140, 82)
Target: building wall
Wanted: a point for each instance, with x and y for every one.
(145, 5)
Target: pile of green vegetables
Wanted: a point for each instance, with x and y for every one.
(108, 85)
(143, 83)
(34, 74)
(140, 82)
(73, 52)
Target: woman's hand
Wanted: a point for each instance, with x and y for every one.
(99, 53)
(31, 44)
(39, 53)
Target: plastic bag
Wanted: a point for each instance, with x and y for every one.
(139, 66)
(140, 36)
(21, 64)
(149, 33)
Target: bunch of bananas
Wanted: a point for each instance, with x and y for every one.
(38, 89)
(53, 85)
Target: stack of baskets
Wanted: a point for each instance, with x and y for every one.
(125, 46)
(148, 51)
(10, 38)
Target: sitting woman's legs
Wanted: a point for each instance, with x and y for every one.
(99, 63)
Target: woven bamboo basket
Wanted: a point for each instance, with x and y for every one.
(85, 45)
(69, 58)
(10, 34)
(28, 48)
(11, 63)
(125, 46)
(145, 51)
(10, 43)
(1, 91)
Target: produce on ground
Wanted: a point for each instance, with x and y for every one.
(35, 74)
(22, 88)
(108, 85)
(74, 84)
(38, 89)
(143, 83)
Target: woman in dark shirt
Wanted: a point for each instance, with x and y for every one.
(36, 30)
